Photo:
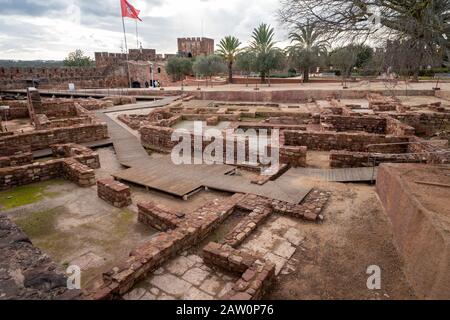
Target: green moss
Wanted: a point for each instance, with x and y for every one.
(27, 194)
(39, 224)
(126, 216)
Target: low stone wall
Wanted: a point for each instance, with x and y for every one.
(436, 154)
(205, 117)
(191, 230)
(53, 107)
(398, 128)
(443, 94)
(327, 141)
(80, 153)
(420, 230)
(293, 155)
(157, 138)
(26, 272)
(247, 225)
(78, 173)
(346, 159)
(378, 102)
(120, 100)
(370, 124)
(114, 192)
(296, 96)
(78, 169)
(16, 160)
(158, 217)
(43, 139)
(257, 273)
(425, 124)
(18, 109)
(309, 209)
(151, 255)
(18, 176)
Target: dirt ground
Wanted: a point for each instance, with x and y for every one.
(333, 258)
(74, 226)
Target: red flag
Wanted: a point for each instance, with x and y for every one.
(129, 11)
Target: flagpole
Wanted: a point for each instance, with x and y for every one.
(125, 35)
(137, 35)
(126, 51)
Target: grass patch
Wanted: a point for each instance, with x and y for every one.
(23, 195)
(39, 224)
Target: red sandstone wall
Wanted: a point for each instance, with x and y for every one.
(294, 95)
(327, 141)
(368, 124)
(422, 242)
(42, 139)
(86, 77)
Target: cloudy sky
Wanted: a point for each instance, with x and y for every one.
(49, 29)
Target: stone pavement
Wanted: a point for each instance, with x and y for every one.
(186, 278)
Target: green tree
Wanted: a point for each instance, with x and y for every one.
(345, 58)
(275, 59)
(308, 48)
(209, 66)
(363, 56)
(246, 62)
(262, 44)
(178, 68)
(423, 24)
(78, 59)
(228, 50)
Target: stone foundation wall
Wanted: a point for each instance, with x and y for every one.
(293, 156)
(327, 141)
(53, 107)
(296, 96)
(158, 217)
(16, 160)
(425, 124)
(151, 255)
(38, 140)
(194, 228)
(157, 138)
(367, 124)
(78, 173)
(257, 273)
(40, 171)
(78, 169)
(419, 232)
(346, 159)
(289, 120)
(378, 102)
(398, 128)
(114, 192)
(436, 154)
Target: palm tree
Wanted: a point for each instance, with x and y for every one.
(262, 44)
(228, 50)
(308, 47)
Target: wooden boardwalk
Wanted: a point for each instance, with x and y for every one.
(335, 175)
(182, 180)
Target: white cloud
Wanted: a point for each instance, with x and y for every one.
(37, 31)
